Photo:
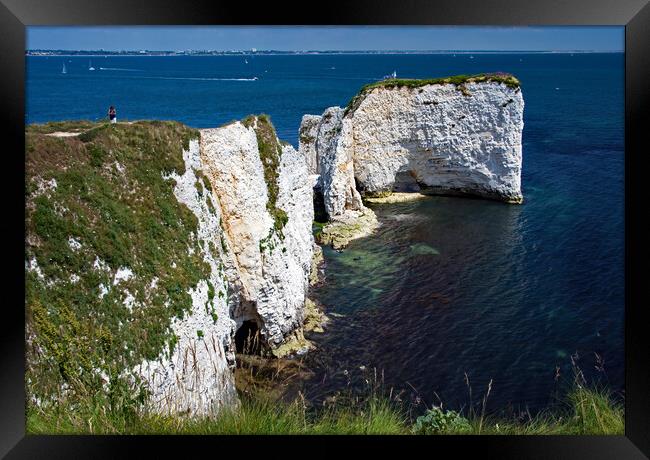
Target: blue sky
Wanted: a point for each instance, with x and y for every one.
(606, 38)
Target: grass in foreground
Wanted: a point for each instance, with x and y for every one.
(586, 412)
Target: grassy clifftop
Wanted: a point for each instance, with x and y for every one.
(457, 80)
(110, 254)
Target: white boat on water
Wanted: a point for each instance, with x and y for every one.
(64, 70)
(90, 66)
(389, 76)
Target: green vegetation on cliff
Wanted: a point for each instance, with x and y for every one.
(458, 80)
(97, 205)
(270, 153)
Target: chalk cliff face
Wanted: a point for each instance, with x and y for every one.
(436, 138)
(306, 142)
(178, 237)
(197, 377)
(272, 265)
(258, 274)
(335, 163)
(328, 139)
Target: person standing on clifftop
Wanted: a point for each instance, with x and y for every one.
(112, 114)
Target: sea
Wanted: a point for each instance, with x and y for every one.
(452, 298)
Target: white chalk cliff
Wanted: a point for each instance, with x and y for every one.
(435, 138)
(307, 145)
(259, 274)
(197, 376)
(271, 266)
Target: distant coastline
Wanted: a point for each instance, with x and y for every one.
(68, 53)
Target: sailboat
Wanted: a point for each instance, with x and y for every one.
(64, 71)
(245, 61)
(90, 66)
(389, 76)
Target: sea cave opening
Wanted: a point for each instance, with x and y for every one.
(320, 214)
(248, 340)
(406, 182)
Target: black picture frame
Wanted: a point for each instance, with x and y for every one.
(15, 15)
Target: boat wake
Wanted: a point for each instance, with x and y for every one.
(203, 78)
(121, 70)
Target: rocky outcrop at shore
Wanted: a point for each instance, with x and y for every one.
(457, 136)
(327, 138)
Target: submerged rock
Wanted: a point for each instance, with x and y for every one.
(422, 249)
(347, 227)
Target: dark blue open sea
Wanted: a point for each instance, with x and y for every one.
(447, 286)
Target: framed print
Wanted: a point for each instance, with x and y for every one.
(408, 220)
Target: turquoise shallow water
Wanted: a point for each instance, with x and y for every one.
(447, 286)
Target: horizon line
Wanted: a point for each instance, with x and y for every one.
(257, 51)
